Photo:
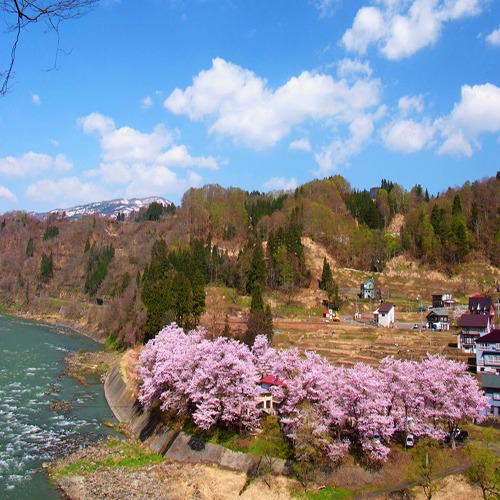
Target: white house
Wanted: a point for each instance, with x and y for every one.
(384, 315)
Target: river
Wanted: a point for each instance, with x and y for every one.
(31, 381)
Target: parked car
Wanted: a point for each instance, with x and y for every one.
(410, 441)
(415, 326)
(460, 436)
(422, 309)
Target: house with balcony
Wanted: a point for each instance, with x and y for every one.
(472, 327)
(488, 353)
(438, 320)
(442, 299)
(384, 315)
(491, 388)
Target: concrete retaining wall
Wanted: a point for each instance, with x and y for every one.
(166, 442)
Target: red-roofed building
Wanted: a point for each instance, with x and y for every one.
(266, 402)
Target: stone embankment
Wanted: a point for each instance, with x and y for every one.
(174, 445)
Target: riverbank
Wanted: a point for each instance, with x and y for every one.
(85, 329)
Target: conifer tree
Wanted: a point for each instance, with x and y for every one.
(257, 272)
(46, 268)
(30, 248)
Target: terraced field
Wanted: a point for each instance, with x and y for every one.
(347, 344)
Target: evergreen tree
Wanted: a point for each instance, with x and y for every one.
(257, 273)
(257, 304)
(326, 275)
(182, 299)
(46, 268)
(50, 232)
(30, 248)
(256, 324)
(457, 206)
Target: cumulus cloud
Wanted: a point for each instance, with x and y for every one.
(339, 151)
(494, 37)
(478, 112)
(7, 195)
(409, 104)
(159, 180)
(407, 136)
(125, 146)
(399, 28)
(300, 145)
(36, 99)
(66, 191)
(353, 67)
(236, 102)
(280, 184)
(28, 165)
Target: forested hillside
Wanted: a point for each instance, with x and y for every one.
(153, 269)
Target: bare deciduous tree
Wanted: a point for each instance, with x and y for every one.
(19, 14)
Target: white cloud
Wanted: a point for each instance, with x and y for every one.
(65, 192)
(300, 145)
(407, 136)
(325, 7)
(36, 99)
(280, 184)
(159, 180)
(409, 104)
(8, 195)
(130, 145)
(95, 122)
(146, 103)
(127, 146)
(494, 37)
(478, 112)
(353, 67)
(399, 28)
(178, 156)
(339, 151)
(30, 164)
(236, 102)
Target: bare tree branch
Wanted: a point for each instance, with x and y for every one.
(19, 14)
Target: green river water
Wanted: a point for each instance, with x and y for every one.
(31, 380)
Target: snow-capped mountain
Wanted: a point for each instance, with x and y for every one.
(109, 208)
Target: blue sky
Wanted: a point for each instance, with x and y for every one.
(153, 97)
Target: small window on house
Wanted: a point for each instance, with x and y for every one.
(496, 396)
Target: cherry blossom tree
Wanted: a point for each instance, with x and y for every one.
(215, 382)
(451, 395)
(323, 408)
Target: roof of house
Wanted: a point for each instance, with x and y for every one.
(492, 337)
(272, 380)
(474, 321)
(479, 303)
(440, 313)
(385, 307)
(491, 381)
